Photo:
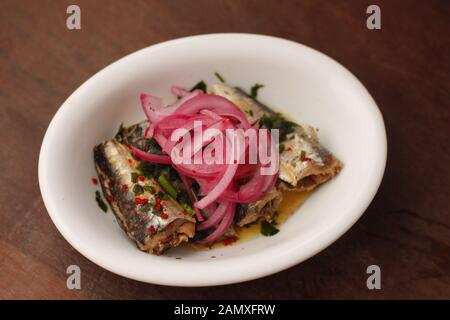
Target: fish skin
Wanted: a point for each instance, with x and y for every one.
(115, 170)
(296, 173)
(264, 208)
(251, 107)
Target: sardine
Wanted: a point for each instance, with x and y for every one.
(304, 163)
(264, 209)
(152, 219)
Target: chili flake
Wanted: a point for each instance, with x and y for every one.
(141, 178)
(230, 240)
(141, 201)
(130, 161)
(94, 181)
(125, 187)
(151, 229)
(164, 216)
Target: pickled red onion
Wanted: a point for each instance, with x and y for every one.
(217, 181)
(146, 156)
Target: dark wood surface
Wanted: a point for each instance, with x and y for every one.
(405, 66)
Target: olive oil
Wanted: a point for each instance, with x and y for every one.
(289, 204)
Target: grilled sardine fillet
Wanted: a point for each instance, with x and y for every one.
(304, 163)
(154, 221)
(263, 209)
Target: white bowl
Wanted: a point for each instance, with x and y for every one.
(299, 81)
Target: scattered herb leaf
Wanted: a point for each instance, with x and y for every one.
(268, 229)
(281, 147)
(254, 90)
(151, 145)
(146, 207)
(200, 85)
(218, 76)
(167, 186)
(134, 177)
(137, 189)
(118, 135)
(162, 195)
(188, 209)
(277, 121)
(100, 202)
(149, 189)
(138, 131)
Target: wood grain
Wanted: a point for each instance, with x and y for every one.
(406, 229)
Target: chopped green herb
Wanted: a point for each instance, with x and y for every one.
(277, 121)
(167, 186)
(218, 76)
(281, 147)
(137, 189)
(188, 209)
(268, 229)
(302, 155)
(201, 86)
(250, 112)
(150, 170)
(254, 90)
(178, 258)
(100, 201)
(146, 207)
(138, 131)
(151, 145)
(134, 177)
(149, 189)
(119, 133)
(162, 195)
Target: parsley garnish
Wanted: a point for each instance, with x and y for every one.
(137, 189)
(218, 76)
(200, 85)
(277, 121)
(118, 135)
(162, 195)
(268, 229)
(254, 90)
(100, 201)
(134, 177)
(149, 189)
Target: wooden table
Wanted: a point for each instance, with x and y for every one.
(405, 66)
